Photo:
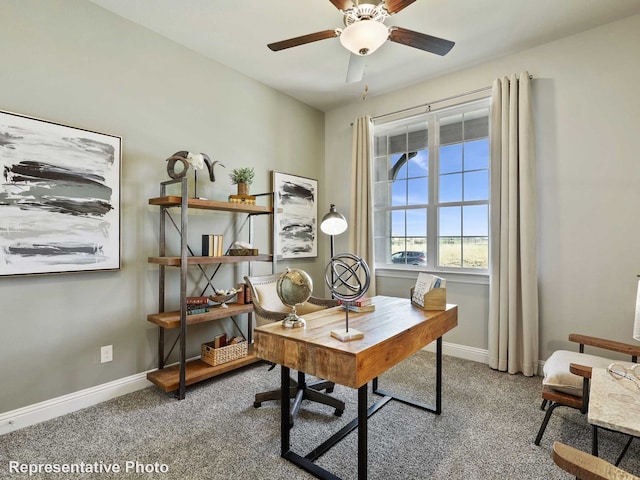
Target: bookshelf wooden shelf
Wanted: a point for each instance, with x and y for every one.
(172, 319)
(198, 203)
(175, 261)
(168, 379)
(178, 376)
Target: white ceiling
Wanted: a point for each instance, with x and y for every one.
(236, 33)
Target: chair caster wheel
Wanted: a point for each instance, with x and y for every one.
(338, 413)
(257, 404)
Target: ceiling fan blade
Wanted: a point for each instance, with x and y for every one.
(436, 45)
(343, 4)
(394, 6)
(355, 72)
(294, 42)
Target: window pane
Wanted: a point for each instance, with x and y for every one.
(476, 154)
(397, 223)
(450, 221)
(451, 129)
(475, 247)
(449, 252)
(451, 188)
(417, 140)
(381, 224)
(399, 193)
(417, 223)
(381, 194)
(418, 191)
(398, 167)
(380, 145)
(475, 220)
(419, 164)
(475, 252)
(381, 168)
(476, 185)
(451, 158)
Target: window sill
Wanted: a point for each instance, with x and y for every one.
(455, 277)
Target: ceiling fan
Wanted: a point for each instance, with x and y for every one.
(365, 32)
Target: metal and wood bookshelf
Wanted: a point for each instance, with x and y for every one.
(178, 376)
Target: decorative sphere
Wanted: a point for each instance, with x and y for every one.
(294, 287)
(347, 276)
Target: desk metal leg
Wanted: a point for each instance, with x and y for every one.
(362, 432)
(360, 422)
(594, 441)
(285, 442)
(430, 408)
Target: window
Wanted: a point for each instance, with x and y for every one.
(431, 190)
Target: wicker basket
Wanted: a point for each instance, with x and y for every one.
(217, 356)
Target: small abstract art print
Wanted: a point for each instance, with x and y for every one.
(297, 224)
(59, 198)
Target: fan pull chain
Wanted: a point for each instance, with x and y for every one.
(364, 94)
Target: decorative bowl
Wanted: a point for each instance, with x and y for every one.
(222, 298)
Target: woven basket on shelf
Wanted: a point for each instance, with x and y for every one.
(217, 356)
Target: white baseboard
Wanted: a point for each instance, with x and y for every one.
(40, 412)
(461, 351)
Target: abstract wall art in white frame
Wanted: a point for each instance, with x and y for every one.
(297, 223)
(59, 198)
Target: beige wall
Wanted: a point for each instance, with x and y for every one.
(587, 113)
(72, 62)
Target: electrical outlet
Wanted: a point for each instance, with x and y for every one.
(106, 353)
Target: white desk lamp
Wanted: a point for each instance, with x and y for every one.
(333, 223)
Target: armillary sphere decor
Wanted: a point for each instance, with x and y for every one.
(294, 287)
(348, 277)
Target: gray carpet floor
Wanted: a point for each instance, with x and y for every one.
(486, 431)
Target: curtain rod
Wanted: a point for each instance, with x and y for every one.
(428, 104)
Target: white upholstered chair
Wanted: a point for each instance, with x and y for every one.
(268, 308)
(567, 375)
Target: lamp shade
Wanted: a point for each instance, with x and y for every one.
(333, 223)
(364, 37)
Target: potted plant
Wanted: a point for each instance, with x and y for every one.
(243, 177)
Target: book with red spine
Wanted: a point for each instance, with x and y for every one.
(362, 302)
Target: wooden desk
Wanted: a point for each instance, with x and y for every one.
(393, 332)
(614, 404)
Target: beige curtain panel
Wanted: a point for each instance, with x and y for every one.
(513, 305)
(361, 222)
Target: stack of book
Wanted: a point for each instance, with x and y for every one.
(364, 304)
(197, 305)
(212, 245)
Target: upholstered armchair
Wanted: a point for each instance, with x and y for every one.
(268, 308)
(567, 375)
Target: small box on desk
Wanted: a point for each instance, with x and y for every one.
(435, 299)
(216, 356)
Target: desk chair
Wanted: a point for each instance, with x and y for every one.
(268, 308)
(567, 375)
(585, 466)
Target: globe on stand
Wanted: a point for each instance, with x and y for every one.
(294, 287)
(348, 277)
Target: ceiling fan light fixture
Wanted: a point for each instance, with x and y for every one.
(364, 37)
